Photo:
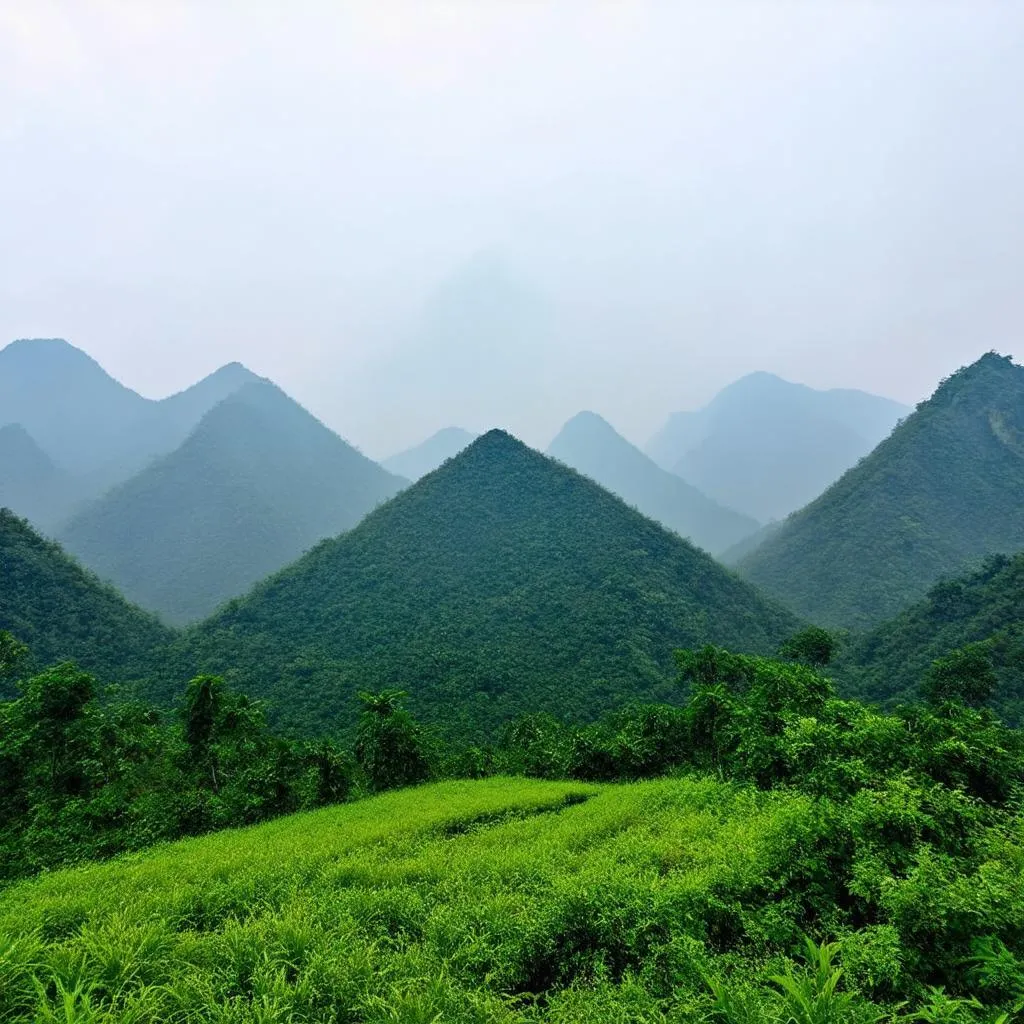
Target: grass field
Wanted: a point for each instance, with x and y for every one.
(494, 900)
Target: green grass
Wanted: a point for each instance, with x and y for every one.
(495, 900)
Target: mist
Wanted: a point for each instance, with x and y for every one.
(412, 215)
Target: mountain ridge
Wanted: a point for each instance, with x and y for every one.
(258, 481)
(590, 444)
(941, 493)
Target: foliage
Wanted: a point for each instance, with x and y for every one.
(499, 585)
(984, 608)
(591, 445)
(389, 742)
(256, 483)
(812, 646)
(815, 860)
(83, 778)
(938, 495)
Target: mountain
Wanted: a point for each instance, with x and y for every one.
(75, 411)
(766, 447)
(942, 492)
(420, 460)
(256, 483)
(987, 605)
(591, 445)
(30, 484)
(62, 612)
(500, 584)
(91, 426)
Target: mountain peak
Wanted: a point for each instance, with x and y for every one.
(591, 445)
(476, 588)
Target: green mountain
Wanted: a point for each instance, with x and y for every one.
(30, 484)
(987, 605)
(937, 496)
(425, 457)
(501, 583)
(766, 447)
(48, 601)
(258, 482)
(591, 445)
(91, 426)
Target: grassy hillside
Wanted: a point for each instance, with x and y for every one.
(766, 446)
(450, 902)
(516, 901)
(936, 497)
(499, 584)
(62, 611)
(258, 482)
(425, 457)
(590, 445)
(984, 606)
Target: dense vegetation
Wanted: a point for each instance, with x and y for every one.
(258, 482)
(63, 612)
(499, 584)
(984, 609)
(766, 446)
(943, 492)
(590, 445)
(813, 861)
(425, 457)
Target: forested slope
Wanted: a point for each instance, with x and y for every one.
(501, 583)
(984, 607)
(936, 497)
(61, 611)
(258, 482)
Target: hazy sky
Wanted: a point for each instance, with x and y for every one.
(498, 212)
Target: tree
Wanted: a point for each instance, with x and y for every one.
(389, 742)
(812, 646)
(964, 675)
(12, 654)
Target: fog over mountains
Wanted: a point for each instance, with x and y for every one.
(766, 447)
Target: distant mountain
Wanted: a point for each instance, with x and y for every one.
(90, 425)
(987, 605)
(945, 490)
(421, 459)
(591, 445)
(62, 612)
(30, 484)
(766, 447)
(258, 482)
(500, 584)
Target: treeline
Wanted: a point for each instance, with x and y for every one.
(86, 775)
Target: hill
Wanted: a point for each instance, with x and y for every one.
(425, 457)
(988, 605)
(591, 445)
(258, 482)
(941, 493)
(62, 612)
(499, 584)
(91, 426)
(765, 446)
(30, 484)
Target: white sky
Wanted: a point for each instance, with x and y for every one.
(498, 212)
